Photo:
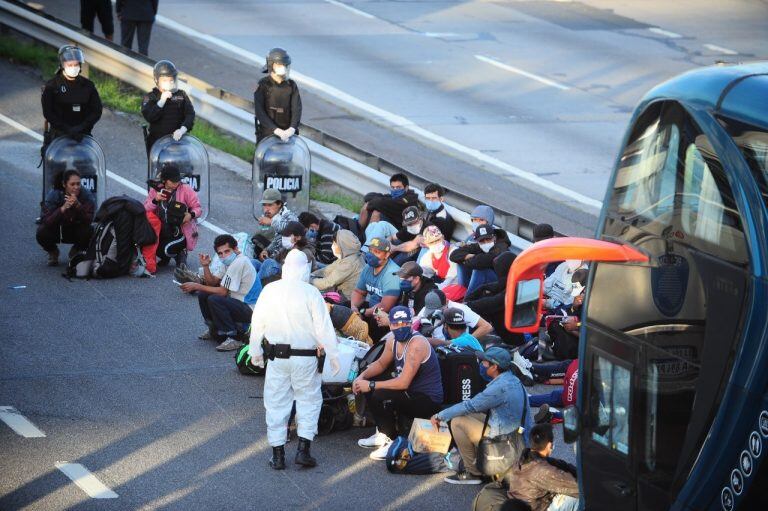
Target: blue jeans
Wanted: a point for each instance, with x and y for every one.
(266, 268)
(554, 398)
(472, 279)
(563, 503)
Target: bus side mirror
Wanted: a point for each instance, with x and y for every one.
(571, 424)
(525, 309)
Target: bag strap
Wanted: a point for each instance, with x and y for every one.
(522, 419)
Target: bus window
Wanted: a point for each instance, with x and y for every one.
(753, 143)
(610, 410)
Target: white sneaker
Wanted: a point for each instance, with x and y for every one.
(374, 441)
(381, 452)
(521, 361)
(229, 345)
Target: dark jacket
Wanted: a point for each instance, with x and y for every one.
(480, 260)
(136, 10)
(324, 241)
(177, 112)
(538, 479)
(276, 105)
(443, 220)
(389, 207)
(415, 299)
(52, 215)
(132, 230)
(71, 107)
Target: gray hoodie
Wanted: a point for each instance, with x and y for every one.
(342, 274)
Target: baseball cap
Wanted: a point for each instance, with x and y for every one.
(295, 228)
(435, 300)
(432, 235)
(379, 244)
(542, 232)
(410, 215)
(170, 173)
(484, 231)
(270, 196)
(498, 356)
(455, 317)
(400, 314)
(409, 269)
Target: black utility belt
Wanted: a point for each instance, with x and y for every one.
(273, 351)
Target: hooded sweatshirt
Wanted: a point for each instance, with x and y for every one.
(342, 274)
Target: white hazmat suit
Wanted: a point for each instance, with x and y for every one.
(292, 311)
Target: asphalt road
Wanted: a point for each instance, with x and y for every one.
(112, 373)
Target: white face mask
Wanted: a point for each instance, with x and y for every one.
(72, 71)
(576, 289)
(280, 70)
(414, 229)
(486, 247)
(336, 251)
(287, 242)
(167, 85)
(436, 249)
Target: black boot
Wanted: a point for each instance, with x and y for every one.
(302, 455)
(277, 462)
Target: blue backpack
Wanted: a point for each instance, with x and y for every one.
(401, 459)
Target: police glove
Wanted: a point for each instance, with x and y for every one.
(280, 133)
(290, 132)
(179, 133)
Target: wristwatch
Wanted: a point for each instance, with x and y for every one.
(372, 385)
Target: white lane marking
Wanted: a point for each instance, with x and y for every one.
(441, 34)
(352, 9)
(19, 423)
(720, 49)
(85, 480)
(396, 121)
(512, 69)
(665, 33)
(111, 175)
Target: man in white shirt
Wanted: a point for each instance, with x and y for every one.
(291, 316)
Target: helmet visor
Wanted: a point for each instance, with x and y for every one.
(71, 54)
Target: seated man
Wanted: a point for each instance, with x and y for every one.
(543, 232)
(415, 391)
(344, 272)
(434, 199)
(66, 217)
(321, 233)
(433, 314)
(378, 288)
(558, 398)
(414, 286)
(504, 401)
(293, 235)
(407, 242)
(456, 333)
(171, 210)
(227, 300)
(546, 484)
(388, 207)
(437, 264)
(476, 259)
(276, 217)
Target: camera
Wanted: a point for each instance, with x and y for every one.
(156, 184)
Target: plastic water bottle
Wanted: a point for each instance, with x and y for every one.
(353, 369)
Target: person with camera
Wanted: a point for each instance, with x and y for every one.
(171, 207)
(66, 217)
(167, 109)
(431, 319)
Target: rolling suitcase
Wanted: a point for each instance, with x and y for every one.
(460, 372)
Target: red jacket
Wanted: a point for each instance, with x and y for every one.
(571, 383)
(188, 196)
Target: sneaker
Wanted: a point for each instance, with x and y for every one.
(381, 453)
(373, 441)
(230, 345)
(206, 336)
(464, 477)
(543, 416)
(524, 365)
(53, 258)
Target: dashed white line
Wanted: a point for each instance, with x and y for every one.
(720, 49)
(441, 34)
(521, 72)
(665, 33)
(20, 424)
(352, 9)
(86, 481)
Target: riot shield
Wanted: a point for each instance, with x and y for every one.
(86, 157)
(191, 158)
(284, 166)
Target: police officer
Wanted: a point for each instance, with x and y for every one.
(167, 109)
(277, 99)
(71, 103)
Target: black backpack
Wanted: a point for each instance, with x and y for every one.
(335, 414)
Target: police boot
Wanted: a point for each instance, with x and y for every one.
(302, 456)
(277, 462)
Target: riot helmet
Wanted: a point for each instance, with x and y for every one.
(165, 69)
(278, 60)
(67, 55)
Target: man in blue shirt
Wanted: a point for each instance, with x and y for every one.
(455, 331)
(378, 288)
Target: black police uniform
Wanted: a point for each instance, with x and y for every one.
(71, 107)
(177, 112)
(278, 105)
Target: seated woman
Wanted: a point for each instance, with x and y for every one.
(66, 217)
(343, 273)
(437, 264)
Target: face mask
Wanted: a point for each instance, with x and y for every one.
(229, 259)
(484, 373)
(414, 229)
(486, 247)
(406, 286)
(312, 234)
(577, 289)
(72, 71)
(280, 70)
(167, 86)
(396, 193)
(336, 251)
(436, 249)
(432, 205)
(287, 242)
(371, 260)
(402, 334)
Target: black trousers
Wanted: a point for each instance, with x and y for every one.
(394, 410)
(142, 29)
(223, 313)
(102, 9)
(77, 234)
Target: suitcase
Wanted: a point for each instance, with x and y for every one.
(461, 374)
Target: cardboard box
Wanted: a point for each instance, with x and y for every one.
(425, 438)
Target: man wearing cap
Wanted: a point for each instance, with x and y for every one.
(455, 331)
(292, 236)
(437, 264)
(432, 317)
(406, 243)
(475, 260)
(416, 390)
(414, 286)
(276, 217)
(177, 234)
(484, 215)
(504, 401)
(378, 287)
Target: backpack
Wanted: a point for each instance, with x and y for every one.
(402, 459)
(103, 249)
(243, 362)
(335, 414)
(79, 266)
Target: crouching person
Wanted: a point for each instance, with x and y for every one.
(66, 217)
(504, 400)
(292, 317)
(416, 390)
(225, 302)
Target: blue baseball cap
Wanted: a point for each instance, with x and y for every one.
(498, 356)
(400, 314)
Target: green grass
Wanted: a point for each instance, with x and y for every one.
(117, 95)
